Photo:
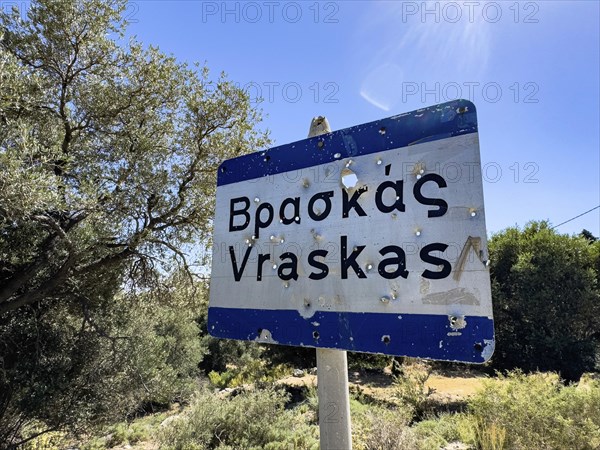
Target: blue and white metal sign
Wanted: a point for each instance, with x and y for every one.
(368, 239)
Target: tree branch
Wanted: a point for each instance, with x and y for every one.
(22, 277)
(33, 436)
(46, 288)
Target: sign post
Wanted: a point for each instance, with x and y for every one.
(369, 239)
(335, 430)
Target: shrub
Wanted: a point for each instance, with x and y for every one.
(376, 427)
(250, 420)
(537, 411)
(546, 295)
(410, 385)
(310, 405)
(362, 361)
(490, 436)
(118, 436)
(435, 433)
(256, 371)
(94, 444)
(45, 441)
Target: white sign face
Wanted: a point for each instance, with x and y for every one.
(363, 244)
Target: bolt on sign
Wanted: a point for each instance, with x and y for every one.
(368, 239)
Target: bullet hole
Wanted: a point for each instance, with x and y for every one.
(316, 334)
(478, 347)
(457, 322)
(267, 158)
(349, 178)
(385, 339)
(382, 130)
(223, 169)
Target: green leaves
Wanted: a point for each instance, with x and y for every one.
(108, 158)
(116, 142)
(538, 411)
(546, 300)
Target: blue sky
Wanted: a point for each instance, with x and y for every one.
(531, 68)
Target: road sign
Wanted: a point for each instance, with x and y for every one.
(369, 239)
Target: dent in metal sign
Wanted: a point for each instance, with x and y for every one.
(369, 239)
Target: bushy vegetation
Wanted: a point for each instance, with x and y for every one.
(410, 385)
(522, 412)
(251, 420)
(511, 412)
(108, 158)
(538, 411)
(546, 298)
(255, 371)
(375, 426)
(134, 357)
(438, 431)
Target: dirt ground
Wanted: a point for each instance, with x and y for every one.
(447, 386)
(455, 386)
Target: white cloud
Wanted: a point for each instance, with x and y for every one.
(375, 86)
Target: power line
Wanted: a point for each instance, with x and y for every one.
(573, 218)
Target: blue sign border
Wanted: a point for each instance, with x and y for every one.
(442, 121)
(415, 335)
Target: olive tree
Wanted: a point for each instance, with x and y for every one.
(108, 156)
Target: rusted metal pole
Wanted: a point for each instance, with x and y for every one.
(332, 373)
